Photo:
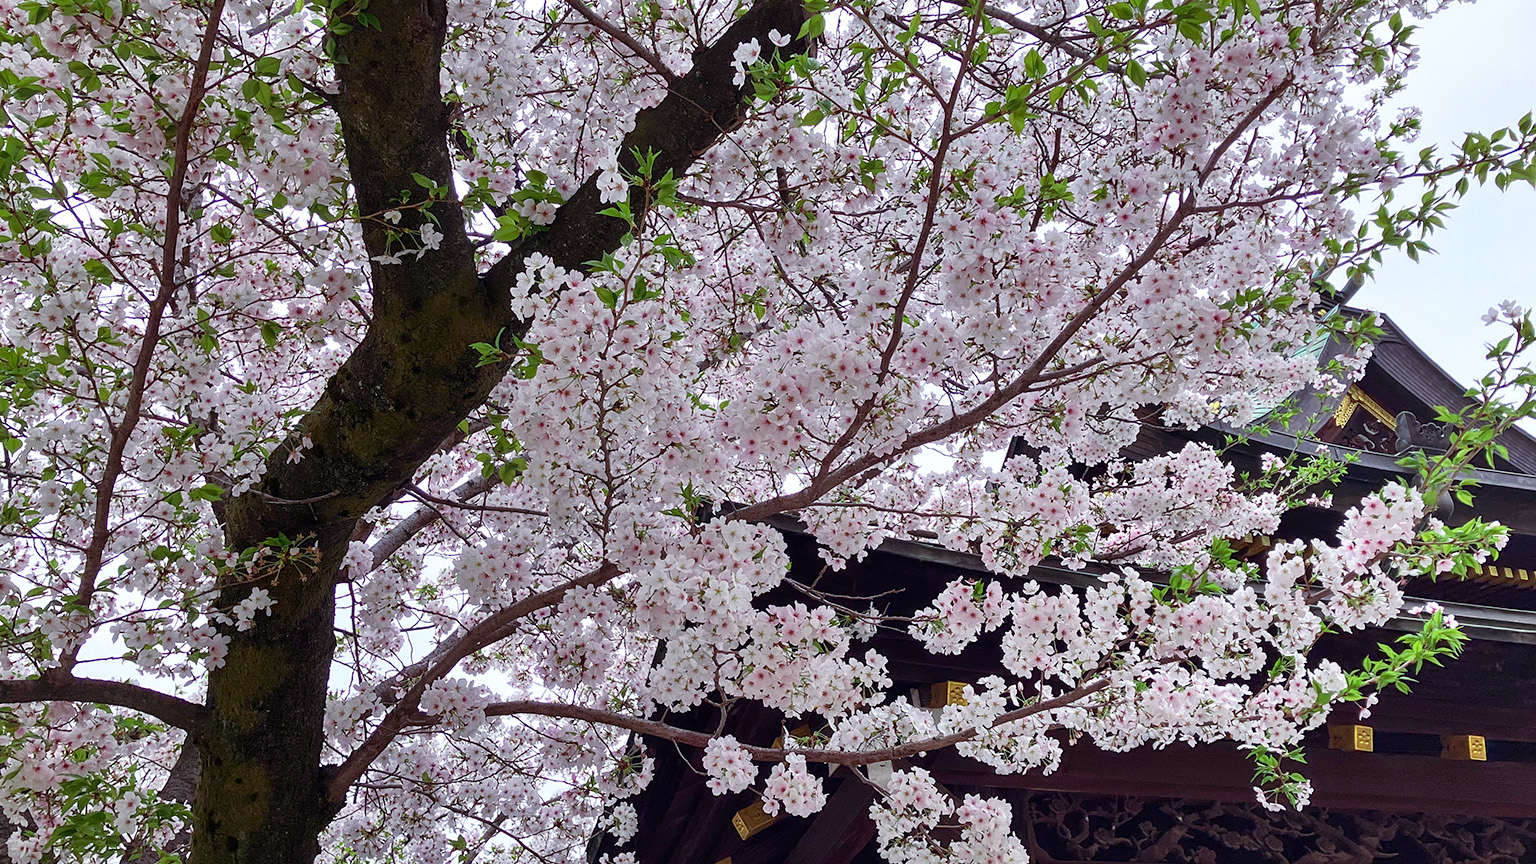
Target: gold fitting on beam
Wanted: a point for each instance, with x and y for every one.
(1354, 398)
(947, 693)
(751, 820)
(1352, 739)
(1473, 748)
(801, 731)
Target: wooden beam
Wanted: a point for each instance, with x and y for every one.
(1413, 713)
(1399, 784)
(1354, 398)
(841, 830)
(1468, 748)
(947, 693)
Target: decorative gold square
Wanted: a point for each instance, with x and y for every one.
(947, 693)
(751, 820)
(1473, 748)
(1352, 739)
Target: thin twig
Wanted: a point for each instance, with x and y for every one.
(423, 495)
(418, 521)
(625, 39)
(102, 523)
(498, 626)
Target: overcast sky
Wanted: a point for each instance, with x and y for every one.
(1477, 71)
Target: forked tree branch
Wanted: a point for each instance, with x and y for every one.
(699, 109)
(439, 663)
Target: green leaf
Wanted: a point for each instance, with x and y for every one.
(98, 270)
(207, 492)
(1034, 64)
(1137, 74)
(813, 27)
(508, 229)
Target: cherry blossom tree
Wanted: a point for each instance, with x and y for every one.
(396, 394)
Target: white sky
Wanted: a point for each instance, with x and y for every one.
(1476, 72)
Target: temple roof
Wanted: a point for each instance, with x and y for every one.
(1400, 377)
(1377, 420)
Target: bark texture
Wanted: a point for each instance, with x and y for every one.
(261, 792)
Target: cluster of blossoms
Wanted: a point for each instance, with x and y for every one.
(793, 788)
(915, 805)
(906, 260)
(53, 747)
(729, 767)
(1509, 310)
(959, 614)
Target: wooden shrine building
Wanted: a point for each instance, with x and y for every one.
(1446, 775)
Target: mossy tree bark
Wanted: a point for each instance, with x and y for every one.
(262, 794)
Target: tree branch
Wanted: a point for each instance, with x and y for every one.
(423, 495)
(101, 524)
(421, 517)
(699, 109)
(58, 685)
(1053, 39)
(776, 754)
(493, 629)
(625, 39)
(1032, 373)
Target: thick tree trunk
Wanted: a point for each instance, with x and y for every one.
(262, 795)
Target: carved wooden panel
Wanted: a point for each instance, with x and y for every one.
(1068, 828)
